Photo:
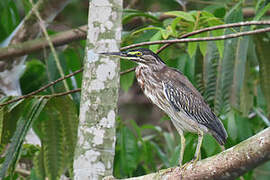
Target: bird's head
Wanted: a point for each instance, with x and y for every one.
(141, 56)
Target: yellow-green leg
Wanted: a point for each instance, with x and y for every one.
(198, 148)
(197, 152)
(183, 145)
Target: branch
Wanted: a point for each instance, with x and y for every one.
(42, 88)
(53, 83)
(66, 37)
(167, 44)
(62, 93)
(58, 39)
(228, 164)
(127, 71)
(229, 36)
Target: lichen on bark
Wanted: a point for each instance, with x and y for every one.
(96, 134)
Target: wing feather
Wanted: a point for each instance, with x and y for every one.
(183, 96)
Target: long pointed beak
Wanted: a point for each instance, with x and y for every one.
(118, 54)
(123, 55)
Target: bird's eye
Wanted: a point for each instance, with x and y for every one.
(138, 53)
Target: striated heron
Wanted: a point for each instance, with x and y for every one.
(172, 92)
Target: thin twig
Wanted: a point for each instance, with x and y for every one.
(223, 26)
(42, 88)
(229, 36)
(163, 47)
(170, 42)
(127, 71)
(62, 93)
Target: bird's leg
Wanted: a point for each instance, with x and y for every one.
(197, 152)
(198, 148)
(183, 145)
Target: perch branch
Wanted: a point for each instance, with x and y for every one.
(228, 164)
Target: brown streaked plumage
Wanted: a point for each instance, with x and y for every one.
(172, 92)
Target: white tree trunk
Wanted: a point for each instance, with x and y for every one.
(96, 134)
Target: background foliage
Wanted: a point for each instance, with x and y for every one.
(232, 75)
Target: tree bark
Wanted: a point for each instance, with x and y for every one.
(10, 71)
(228, 164)
(96, 134)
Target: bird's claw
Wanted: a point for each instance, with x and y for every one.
(190, 163)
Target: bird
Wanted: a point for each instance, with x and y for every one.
(172, 92)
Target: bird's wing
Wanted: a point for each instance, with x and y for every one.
(182, 99)
(182, 95)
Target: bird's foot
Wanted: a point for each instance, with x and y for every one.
(165, 171)
(189, 164)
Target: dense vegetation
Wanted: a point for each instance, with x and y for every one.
(232, 75)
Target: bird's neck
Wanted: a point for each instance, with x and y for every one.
(153, 67)
(147, 75)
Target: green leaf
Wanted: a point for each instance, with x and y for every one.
(183, 15)
(203, 44)
(192, 47)
(126, 80)
(35, 73)
(210, 146)
(38, 162)
(161, 154)
(235, 14)
(261, 12)
(209, 79)
(57, 130)
(155, 47)
(232, 128)
(246, 92)
(174, 159)
(263, 53)
(240, 58)
(9, 16)
(169, 140)
(74, 62)
(148, 156)
(129, 14)
(218, 10)
(244, 128)
(145, 29)
(32, 109)
(11, 115)
(27, 6)
(137, 129)
(127, 150)
(70, 121)
(262, 116)
(231, 67)
(211, 20)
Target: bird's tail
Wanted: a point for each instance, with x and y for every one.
(220, 133)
